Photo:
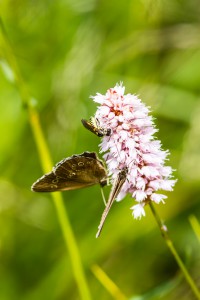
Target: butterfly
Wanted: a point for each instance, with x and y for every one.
(116, 188)
(75, 172)
(94, 126)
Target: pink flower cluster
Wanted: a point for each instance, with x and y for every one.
(132, 144)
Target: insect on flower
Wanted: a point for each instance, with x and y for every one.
(94, 126)
(75, 172)
(134, 158)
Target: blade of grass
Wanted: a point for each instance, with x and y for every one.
(195, 226)
(110, 286)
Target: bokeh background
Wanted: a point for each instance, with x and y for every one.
(66, 51)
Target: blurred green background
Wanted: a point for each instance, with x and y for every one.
(66, 51)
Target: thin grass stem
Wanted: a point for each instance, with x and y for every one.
(164, 232)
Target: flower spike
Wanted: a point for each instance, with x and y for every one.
(132, 145)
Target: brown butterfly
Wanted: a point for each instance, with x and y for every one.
(116, 188)
(94, 126)
(75, 172)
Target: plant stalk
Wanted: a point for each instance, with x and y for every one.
(170, 245)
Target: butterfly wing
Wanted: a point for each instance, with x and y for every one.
(72, 173)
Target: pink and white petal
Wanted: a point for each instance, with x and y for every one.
(150, 171)
(139, 195)
(166, 171)
(167, 185)
(155, 184)
(138, 211)
(121, 195)
(157, 198)
(140, 183)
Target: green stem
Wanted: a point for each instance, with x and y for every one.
(45, 158)
(171, 247)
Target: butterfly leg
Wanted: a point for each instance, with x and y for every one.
(103, 196)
